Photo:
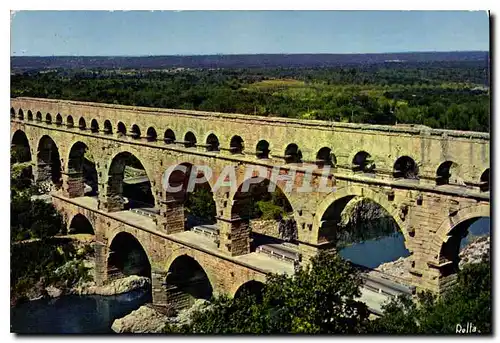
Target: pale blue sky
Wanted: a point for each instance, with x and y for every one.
(47, 33)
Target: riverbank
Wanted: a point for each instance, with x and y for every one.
(73, 276)
(473, 252)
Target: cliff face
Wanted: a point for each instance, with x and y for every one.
(363, 219)
(475, 250)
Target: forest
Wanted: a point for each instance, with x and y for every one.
(448, 94)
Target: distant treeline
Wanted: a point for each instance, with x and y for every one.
(239, 61)
(450, 95)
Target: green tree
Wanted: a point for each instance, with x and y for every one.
(469, 301)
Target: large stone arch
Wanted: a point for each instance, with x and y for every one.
(464, 214)
(138, 152)
(378, 197)
(114, 175)
(88, 141)
(49, 166)
(445, 249)
(187, 279)
(239, 213)
(20, 142)
(81, 170)
(113, 237)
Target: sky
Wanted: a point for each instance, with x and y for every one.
(139, 33)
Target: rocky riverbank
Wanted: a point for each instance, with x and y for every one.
(75, 277)
(472, 253)
(150, 319)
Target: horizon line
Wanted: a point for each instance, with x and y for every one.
(262, 53)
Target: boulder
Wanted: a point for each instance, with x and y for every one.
(143, 320)
(53, 292)
(114, 287)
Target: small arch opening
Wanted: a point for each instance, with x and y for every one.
(212, 143)
(262, 150)
(82, 124)
(30, 115)
(236, 146)
(108, 128)
(293, 154)
(189, 140)
(363, 162)
(169, 136)
(48, 118)
(121, 129)
(94, 126)
(21, 114)
(59, 120)
(151, 134)
(12, 112)
(325, 157)
(445, 172)
(406, 168)
(135, 132)
(38, 116)
(485, 181)
(70, 122)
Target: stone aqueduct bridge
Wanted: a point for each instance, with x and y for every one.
(432, 182)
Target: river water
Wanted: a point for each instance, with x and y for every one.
(95, 314)
(373, 253)
(75, 314)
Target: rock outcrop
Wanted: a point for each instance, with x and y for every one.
(397, 271)
(148, 319)
(145, 319)
(475, 250)
(117, 286)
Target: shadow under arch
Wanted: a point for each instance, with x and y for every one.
(127, 256)
(80, 224)
(457, 238)
(187, 281)
(252, 287)
(446, 173)
(20, 147)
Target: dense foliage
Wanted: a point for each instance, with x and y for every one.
(450, 95)
(37, 259)
(469, 301)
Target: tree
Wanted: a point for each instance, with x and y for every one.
(33, 218)
(469, 301)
